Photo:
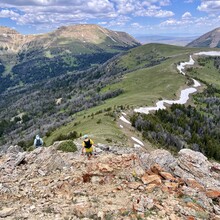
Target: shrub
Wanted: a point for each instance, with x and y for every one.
(67, 146)
(109, 140)
(72, 135)
(99, 121)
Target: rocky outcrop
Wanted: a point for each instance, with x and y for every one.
(129, 184)
(191, 164)
(11, 41)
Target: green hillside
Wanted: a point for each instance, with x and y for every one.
(38, 58)
(147, 73)
(92, 100)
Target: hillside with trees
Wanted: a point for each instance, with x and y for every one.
(77, 91)
(194, 126)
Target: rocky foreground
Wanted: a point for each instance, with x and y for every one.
(115, 184)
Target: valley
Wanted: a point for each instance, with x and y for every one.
(55, 102)
(109, 110)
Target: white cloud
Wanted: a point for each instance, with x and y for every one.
(189, 24)
(119, 21)
(210, 6)
(47, 12)
(155, 13)
(5, 13)
(164, 3)
(186, 15)
(170, 22)
(136, 25)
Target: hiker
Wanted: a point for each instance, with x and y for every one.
(87, 146)
(38, 141)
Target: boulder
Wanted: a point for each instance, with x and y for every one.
(161, 157)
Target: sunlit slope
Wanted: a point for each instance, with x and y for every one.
(151, 74)
(148, 73)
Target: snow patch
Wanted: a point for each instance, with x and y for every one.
(196, 83)
(137, 145)
(136, 140)
(208, 53)
(125, 120)
(121, 126)
(123, 113)
(184, 96)
(182, 65)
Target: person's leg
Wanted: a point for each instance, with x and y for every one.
(89, 155)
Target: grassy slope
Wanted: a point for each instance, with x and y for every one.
(207, 73)
(141, 87)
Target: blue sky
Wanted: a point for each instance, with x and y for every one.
(136, 17)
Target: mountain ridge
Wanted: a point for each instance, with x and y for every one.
(74, 32)
(210, 39)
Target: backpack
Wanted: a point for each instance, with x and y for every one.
(38, 143)
(87, 144)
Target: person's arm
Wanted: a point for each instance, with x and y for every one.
(92, 142)
(35, 142)
(42, 142)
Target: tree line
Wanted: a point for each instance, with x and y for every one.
(183, 126)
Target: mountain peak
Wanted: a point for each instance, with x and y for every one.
(96, 34)
(6, 30)
(210, 39)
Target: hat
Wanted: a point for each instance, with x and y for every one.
(85, 136)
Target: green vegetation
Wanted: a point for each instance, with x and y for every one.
(86, 123)
(194, 127)
(208, 71)
(140, 87)
(71, 135)
(138, 77)
(152, 54)
(143, 87)
(67, 146)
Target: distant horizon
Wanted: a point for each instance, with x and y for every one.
(177, 35)
(154, 17)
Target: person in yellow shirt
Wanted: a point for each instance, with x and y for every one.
(87, 146)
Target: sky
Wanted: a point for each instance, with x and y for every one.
(136, 17)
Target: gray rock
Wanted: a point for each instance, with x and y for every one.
(161, 157)
(6, 212)
(20, 158)
(14, 149)
(192, 164)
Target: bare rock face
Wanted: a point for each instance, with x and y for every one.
(11, 41)
(49, 184)
(15, 149)
(192, 164)
(161, 157)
